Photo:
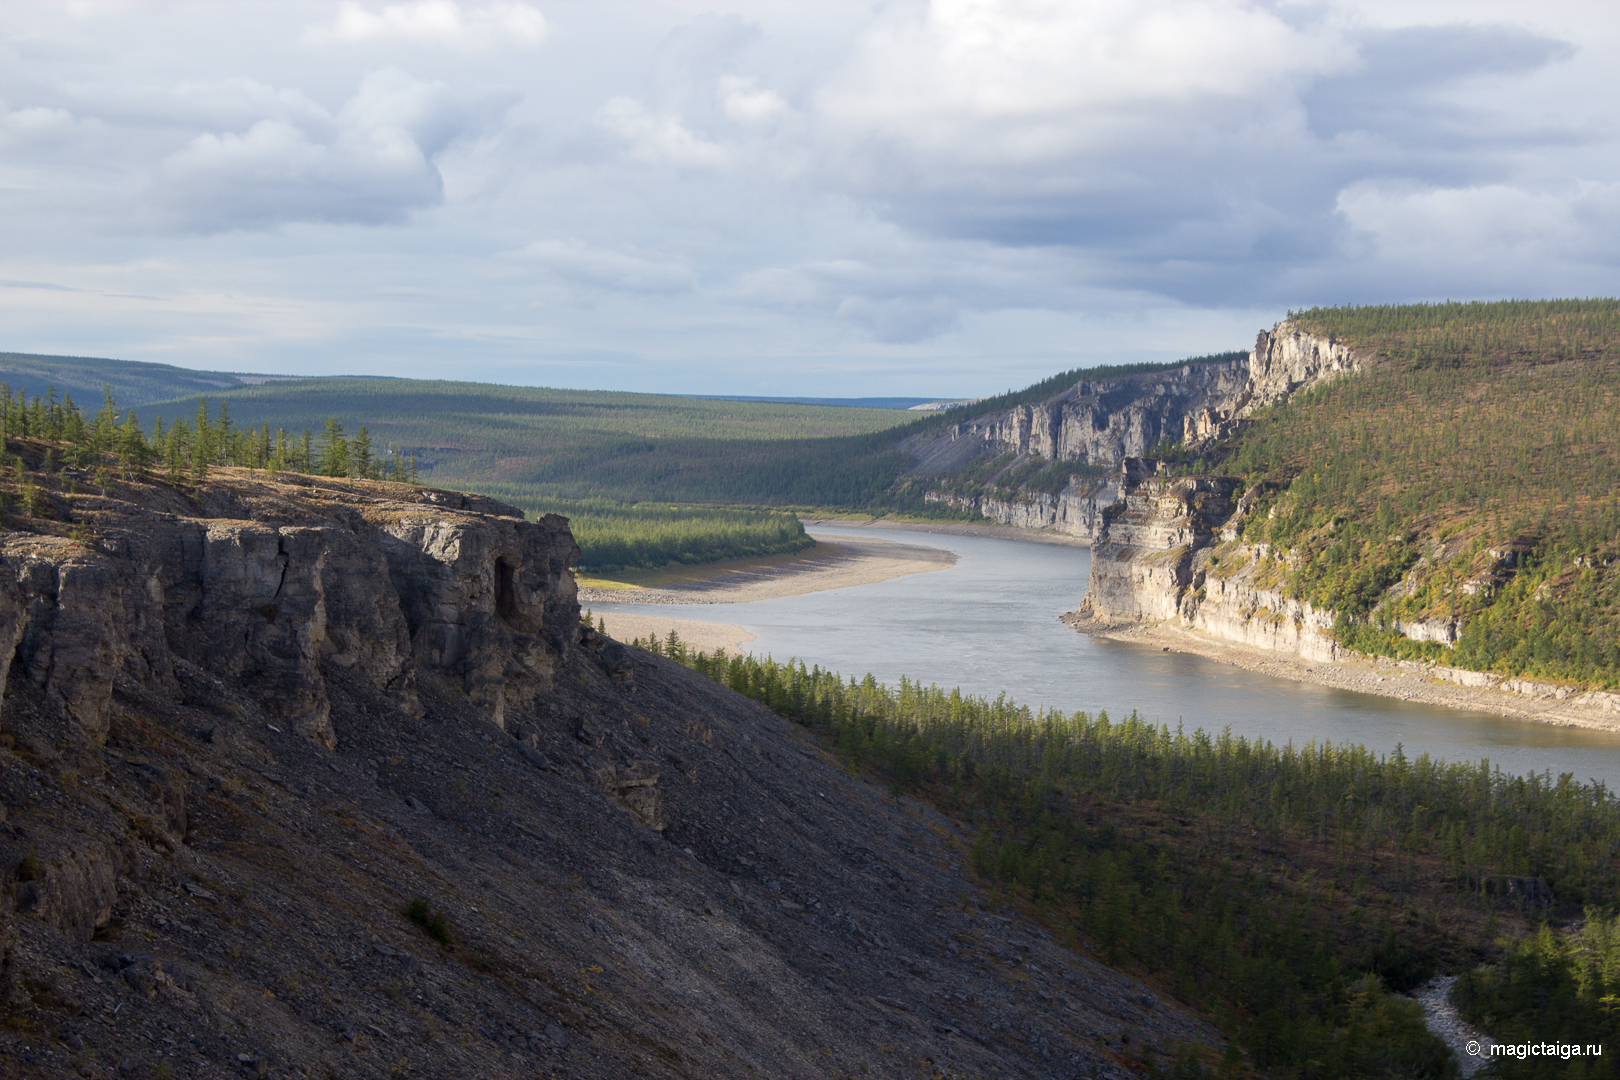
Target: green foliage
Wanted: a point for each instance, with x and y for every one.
(615, 536)
(334, 449)
(187, 448)
(1455, 333)
(1187, 856)
(435, 924)
(1553, 987)
(523, 444)
(1557, 617)
(1487, 429)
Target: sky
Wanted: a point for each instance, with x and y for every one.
(828, 198)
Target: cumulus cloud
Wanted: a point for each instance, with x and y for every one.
(578, 263)
(659, 139)
(1013, 83)
(816, 177)
(1116, 125)
(744, 101)
(437, 22)
(372, 162)
(1188, 148)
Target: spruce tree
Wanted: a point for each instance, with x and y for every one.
(360, 452)
(334, 449)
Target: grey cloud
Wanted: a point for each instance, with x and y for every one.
(889, 304)
(905, 319)
(684, 107)
(373, 162)
(808, 187)
(51, 286)
(6, 283)
(1394, 93)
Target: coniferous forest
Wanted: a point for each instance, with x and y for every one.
(1294, 894)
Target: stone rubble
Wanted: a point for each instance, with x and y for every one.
(1441, 1017)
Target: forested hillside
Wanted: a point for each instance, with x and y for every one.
(132, 382)
(1283, 891)
(1470, 479)
(524, 443)
(527, 443)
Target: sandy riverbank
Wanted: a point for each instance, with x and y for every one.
(697, 634)
(1405, 680)
(829, 565)
(954, 528)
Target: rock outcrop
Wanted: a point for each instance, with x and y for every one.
(1172, 549)
(1075, 511)
(264, 582)
(318, 778)
(1103, 422)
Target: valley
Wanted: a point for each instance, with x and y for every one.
(1416, 504)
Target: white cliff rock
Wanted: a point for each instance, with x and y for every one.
(1105, 421)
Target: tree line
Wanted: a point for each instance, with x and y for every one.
(1287, 891)
(184, 449)
(614, 537)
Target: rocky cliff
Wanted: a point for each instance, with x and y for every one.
(318, 778)
(266, 584)
(1172, 549)
(1100, 423)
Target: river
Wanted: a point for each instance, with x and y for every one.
(989, 624)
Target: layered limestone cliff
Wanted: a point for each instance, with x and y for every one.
(1075, 511)
(1172, 550)
(1103, 422)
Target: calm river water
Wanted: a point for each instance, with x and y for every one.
(990, 625)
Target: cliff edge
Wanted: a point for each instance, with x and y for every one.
(1097, 424)
(318, 778)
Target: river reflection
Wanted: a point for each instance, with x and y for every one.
(990, 625)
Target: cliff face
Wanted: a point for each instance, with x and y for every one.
(1172, 550)
(1075, 511)
(264, 583)
(1103, 422)
(245, 727)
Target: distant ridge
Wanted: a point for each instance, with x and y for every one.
(845, 402)
(133, 382)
